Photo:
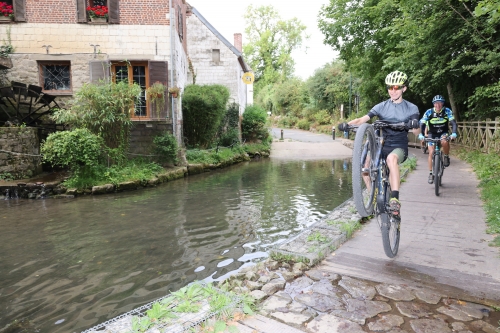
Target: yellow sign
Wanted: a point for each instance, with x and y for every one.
(247, 78)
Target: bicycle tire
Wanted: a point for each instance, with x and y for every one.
(390, 227)
(441, 168)
(436, 172)
(362, 195)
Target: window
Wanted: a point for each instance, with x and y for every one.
(98, 3)
(216, 56)
(134, 72)
(55, 76)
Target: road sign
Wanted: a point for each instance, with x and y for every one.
(247, 78)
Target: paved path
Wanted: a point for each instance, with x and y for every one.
(303, 145)
(443, 244)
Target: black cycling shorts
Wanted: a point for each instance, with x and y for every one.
(401, 151)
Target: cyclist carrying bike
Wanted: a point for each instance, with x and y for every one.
(394, 110)
(436, 121)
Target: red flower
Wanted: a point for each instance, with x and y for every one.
(97, 11)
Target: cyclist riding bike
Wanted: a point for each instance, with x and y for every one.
(394, 110)
(435, 123)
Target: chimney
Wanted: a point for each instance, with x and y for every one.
(238, 41)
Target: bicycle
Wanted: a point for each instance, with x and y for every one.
(370, 181)
(437, 162)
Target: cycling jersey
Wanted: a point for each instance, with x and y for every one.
(395, 113)
(437, 122)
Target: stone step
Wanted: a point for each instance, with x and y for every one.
(261, 324)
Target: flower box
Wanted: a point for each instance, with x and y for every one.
(6, 12)
(98, 14)
(98, 20)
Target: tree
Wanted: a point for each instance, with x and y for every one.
(329, 86)
(442, 45)
(271, 42)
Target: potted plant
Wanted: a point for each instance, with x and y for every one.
(98, 13)
(156, 95)
(174, 91)
(6, 12)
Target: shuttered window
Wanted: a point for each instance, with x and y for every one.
(19, 10)
(158, 72)
(113, 11)
(180, 23)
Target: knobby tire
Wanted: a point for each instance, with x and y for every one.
(437, 172)
(364, 149)
(389, 226)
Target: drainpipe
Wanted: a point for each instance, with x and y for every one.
(172, 62)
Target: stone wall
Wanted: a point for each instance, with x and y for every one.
(16, 146)
(227, 72)
(143, 133)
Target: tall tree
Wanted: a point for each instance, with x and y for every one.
(271, 41)
(443, 46)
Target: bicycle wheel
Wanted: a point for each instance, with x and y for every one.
(441, 168)
(436, 162)
(390, 227)
(363, 182)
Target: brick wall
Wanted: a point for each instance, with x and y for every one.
(137, 12)
(144, 12)
(51, 11)
(143, 133)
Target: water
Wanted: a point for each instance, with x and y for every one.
(67, 265)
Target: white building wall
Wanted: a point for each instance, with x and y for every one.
(228, 72)
(113, 39)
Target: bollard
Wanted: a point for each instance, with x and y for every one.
(333, 132)
(281, 134)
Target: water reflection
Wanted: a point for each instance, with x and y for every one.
(67, 265)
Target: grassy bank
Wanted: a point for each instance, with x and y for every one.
(142, 170)
(487, 169)
(221, 155)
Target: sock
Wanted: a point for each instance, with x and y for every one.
(395, 194)
(430, 172)
(445, 155)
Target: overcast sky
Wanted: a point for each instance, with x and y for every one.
(227, 17)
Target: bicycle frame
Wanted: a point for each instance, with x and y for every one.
(379, 173)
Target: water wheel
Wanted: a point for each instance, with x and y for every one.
(26, 104)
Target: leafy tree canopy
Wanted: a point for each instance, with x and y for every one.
(271, 41)
(447, 47)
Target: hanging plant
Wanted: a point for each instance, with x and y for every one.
(174, 91)
(156, 95)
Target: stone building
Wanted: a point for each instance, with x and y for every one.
(59, 47)
(215, 60)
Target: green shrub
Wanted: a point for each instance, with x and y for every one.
(322, 117)
(73, 148)
(104, 109)
(303, 124)
(203, 110)
(229, 137)
(165, 148)
(253, 125)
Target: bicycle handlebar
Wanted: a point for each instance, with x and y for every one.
(377, 124)
(446, 138)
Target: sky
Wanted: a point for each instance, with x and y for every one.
(227, 17)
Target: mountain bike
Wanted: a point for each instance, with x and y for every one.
(370, 181)
(437, 162)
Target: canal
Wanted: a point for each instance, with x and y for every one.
(69, 264)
